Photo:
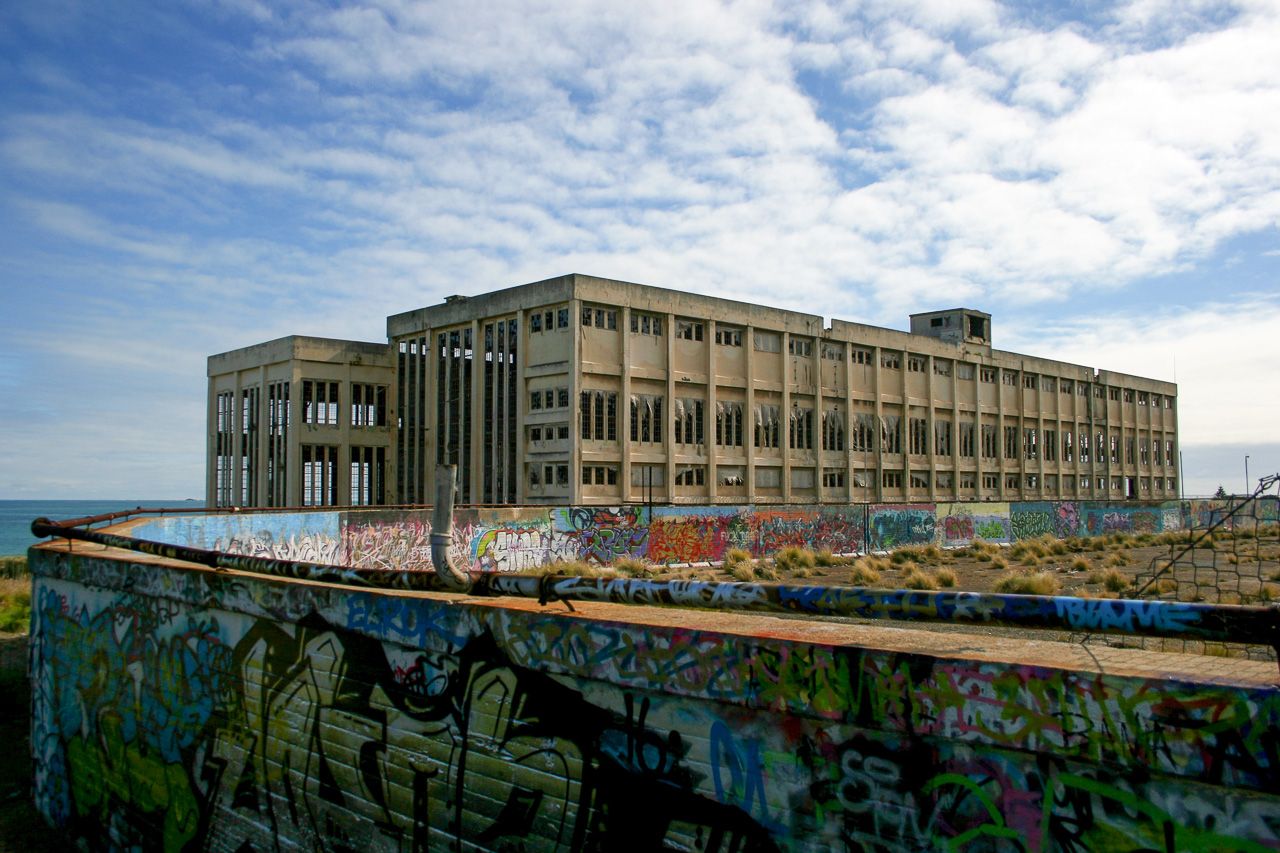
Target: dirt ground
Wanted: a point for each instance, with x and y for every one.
(1242, 569)
(22, 829)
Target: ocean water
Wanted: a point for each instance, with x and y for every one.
(16, 516)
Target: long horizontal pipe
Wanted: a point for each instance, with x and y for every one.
(1216, 622)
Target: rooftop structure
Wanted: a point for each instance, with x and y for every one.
(584, 390)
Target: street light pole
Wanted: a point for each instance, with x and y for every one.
(1246, 474)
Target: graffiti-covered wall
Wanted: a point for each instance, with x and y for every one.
(184, 710)
(513, 539)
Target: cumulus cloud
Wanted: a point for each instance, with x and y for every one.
(314, 168)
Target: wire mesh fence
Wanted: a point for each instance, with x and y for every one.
(1227, 553)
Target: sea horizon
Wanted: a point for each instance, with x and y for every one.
(16, 515)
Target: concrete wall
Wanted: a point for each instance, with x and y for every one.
(184, 709)
(511, 539)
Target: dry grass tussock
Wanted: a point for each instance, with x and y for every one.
(916, 578)
(923, 554)
(982, 550)
(1019, 583)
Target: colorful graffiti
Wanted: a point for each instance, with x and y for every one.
(518, 539)
(188, 710)
(604, 534)
(894, 525)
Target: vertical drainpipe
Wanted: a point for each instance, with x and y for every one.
(442, 530)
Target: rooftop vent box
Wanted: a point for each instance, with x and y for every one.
(955, 325)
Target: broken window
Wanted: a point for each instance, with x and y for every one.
(691, 475)
(833, 478)
(767, 342)
(368, 405)
(729, 424)
(319, 475)
(319, 402)
(800, 346)
(689, 420)
(864, 431)
(942, 437)
(766, 431)
(891, 360)
(1010, 442)
(967, 445)
(728, 337)
(368, 469)
(689, 330)
(832, 430)
(646, 418)
(918, 435)
(891, 434)
(646, 324)
(800, 433)
(990, 446)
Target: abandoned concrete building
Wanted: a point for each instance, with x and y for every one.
(584, 390)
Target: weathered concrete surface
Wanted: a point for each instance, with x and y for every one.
(183, 708)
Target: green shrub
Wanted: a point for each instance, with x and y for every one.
(15, 605)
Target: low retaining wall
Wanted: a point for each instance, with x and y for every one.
(185, 709)
(514, 539)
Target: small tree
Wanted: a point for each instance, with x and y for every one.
(1221, 493)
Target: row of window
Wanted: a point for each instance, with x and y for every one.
(804, 478)
(693, 330)
(599, 414)
(321, 406)
(549, 398)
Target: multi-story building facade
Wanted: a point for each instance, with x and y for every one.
(300, 421)
(582, 390)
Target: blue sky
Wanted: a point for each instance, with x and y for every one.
(184, 178)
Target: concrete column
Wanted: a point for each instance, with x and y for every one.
(749, 427)
(624, 406)
(877, 485)
(786, 417)
(711, 446)
(575, 403)
(668, 443)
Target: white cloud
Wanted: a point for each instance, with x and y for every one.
(1218, 354)
(862, 160)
